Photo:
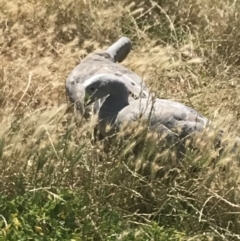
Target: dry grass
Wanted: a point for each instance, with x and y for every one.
(55, 184)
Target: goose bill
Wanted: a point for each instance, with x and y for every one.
(87, 100)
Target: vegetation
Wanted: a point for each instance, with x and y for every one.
(55, 183)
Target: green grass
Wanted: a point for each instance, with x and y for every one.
(55, 184)
(66, 215)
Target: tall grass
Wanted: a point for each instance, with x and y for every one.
(55, 183)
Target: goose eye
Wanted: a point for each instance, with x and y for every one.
(92, 88)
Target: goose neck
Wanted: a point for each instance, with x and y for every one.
(112, 105)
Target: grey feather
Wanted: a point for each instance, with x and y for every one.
(120, 49)
(166, 115)
(98, 63)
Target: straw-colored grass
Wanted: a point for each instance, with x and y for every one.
(55, 183)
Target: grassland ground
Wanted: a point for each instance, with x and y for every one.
(55, 184)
